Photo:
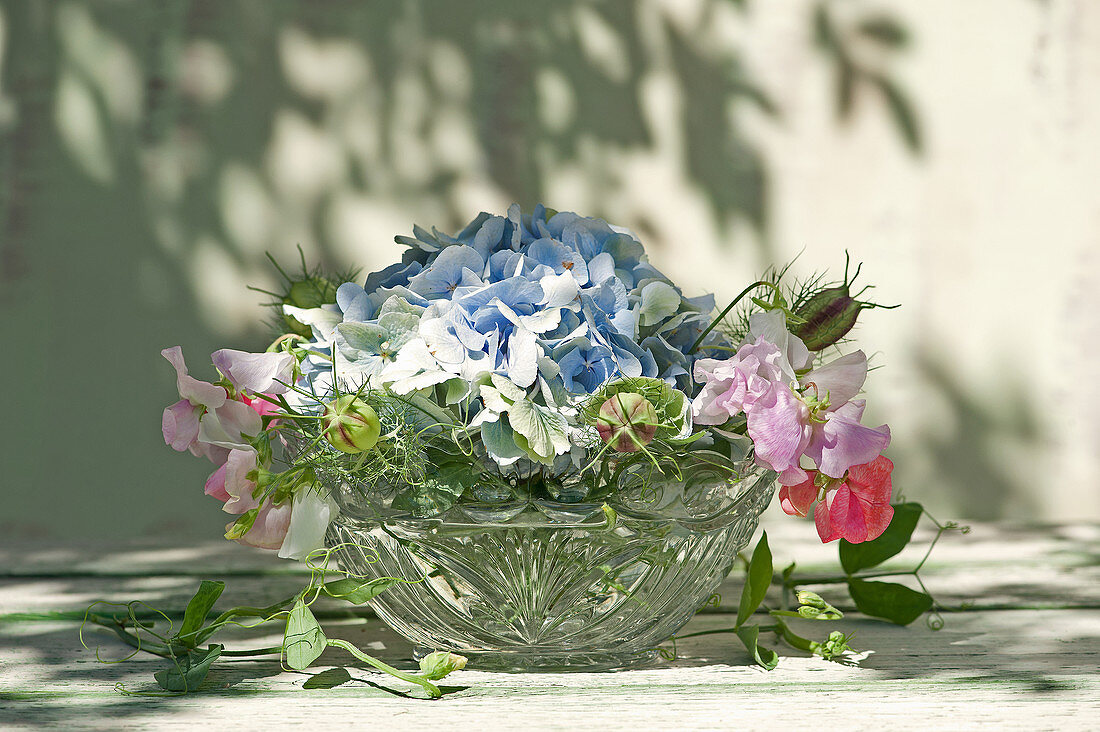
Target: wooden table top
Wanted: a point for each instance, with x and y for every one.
(1025, 655)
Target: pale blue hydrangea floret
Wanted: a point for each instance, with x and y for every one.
(551, 295)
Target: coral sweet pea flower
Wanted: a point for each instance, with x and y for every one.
(856, 508)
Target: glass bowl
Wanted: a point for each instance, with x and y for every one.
(523, 583)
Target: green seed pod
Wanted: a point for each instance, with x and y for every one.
(627, 421)
(351, 425)
(829, 314)
(312, 292)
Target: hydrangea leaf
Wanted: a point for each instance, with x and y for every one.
(542, 428)
(500, 442)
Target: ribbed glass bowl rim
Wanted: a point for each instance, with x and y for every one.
(540, 513)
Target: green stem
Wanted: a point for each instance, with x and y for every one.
(432, 689)
(763, 629)
(841, 579)
(724, 313)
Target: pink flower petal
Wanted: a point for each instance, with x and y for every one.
(261, 406)
(795, 500)
(215, 484)
(270, 528)
(840, 443)
(180, 425)
(230, 425)
(825, 528)
(237, 487)
(858, 511)
(778, 427)
(255, 372)
(190, 388)
(840, 379)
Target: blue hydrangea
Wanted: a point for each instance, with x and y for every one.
(554, 303)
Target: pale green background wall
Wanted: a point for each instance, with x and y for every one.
(151, 152)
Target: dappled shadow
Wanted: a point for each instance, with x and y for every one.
(160, 149)
(982, 453)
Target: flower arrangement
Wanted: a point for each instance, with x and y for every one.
(535, 360)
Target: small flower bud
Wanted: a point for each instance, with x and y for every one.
(351, 425)
(308, 293)
(812, 599)
(627, 421)
(829, 314)
(438, 664)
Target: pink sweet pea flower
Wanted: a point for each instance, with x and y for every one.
(215, 484)
(856, 509)
(269, 530)
(260, 405)
(780, 427)
(237, 487)
(255, 372)
(180, 422)
(230, 426)
(820, 422)
(733, 385)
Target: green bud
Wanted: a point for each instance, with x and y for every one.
(311, 292)
(242, 525)
(835, 645)
(829, 314)
(627, 421)
(351, 425)
(812, 599)
(438, 664)
(816, 608)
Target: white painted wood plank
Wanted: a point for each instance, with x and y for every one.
(1015, 670)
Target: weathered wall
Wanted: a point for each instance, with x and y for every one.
(152, 152)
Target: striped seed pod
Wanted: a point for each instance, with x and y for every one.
(351, 425)
(829, 314)
(627, 421)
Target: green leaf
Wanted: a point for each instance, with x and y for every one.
(542, 428)
(204, 599)
(303, 640)
(889, 600)
(750, 635)
(794, 639)
(190, 670)
(854, 557)
(357, 591)
(454, 391)
(438, 664)
(757, 580)
(242, 525)
(328, 679)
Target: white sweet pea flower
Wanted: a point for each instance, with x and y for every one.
(311, 514)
